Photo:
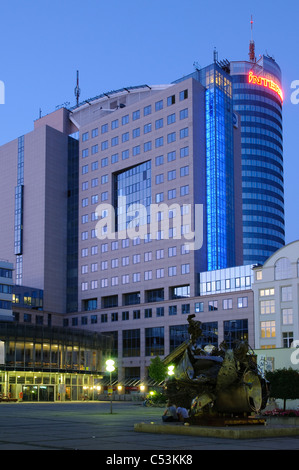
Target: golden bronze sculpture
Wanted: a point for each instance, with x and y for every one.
(216, 384)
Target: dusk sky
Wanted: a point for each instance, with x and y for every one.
(115, 44)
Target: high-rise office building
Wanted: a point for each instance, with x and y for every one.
(71, 189)
(172, 147)
(38, 190)
(103, 202)
(153, 146)
(223, 150)
(258, 98)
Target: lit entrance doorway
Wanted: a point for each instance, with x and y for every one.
(38, 392)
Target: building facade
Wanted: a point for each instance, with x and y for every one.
(147, 148)
(39, 193)
(258, 99)
(156, 327)
(39, 363)
(276, 302)
(156, 147)
(223, 168)
(139, 206)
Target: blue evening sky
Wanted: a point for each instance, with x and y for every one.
(120, 43)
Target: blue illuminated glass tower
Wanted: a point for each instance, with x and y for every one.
(257, 98)
(223, 173)
(219, 167)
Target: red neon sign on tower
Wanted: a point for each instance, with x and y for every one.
(266, 82)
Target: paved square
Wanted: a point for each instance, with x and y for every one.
(91, 426)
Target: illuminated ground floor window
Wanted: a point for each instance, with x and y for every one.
(49, 387)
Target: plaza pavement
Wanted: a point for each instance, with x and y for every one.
(90, 426)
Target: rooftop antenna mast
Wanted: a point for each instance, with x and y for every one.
(77, 89)
(252, 57)
(215, 55)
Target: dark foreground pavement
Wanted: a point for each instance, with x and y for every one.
(91, 426)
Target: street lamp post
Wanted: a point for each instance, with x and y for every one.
(110, 368)
(170, 370)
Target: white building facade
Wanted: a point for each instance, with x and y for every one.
(276, 302)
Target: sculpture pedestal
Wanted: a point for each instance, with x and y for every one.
(223, 432)
(224, 420)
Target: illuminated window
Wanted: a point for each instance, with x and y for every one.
(268, 329)
(266, 292)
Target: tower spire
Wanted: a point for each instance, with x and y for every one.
(252, 57)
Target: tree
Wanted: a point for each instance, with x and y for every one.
(157, 370)
(284, 384)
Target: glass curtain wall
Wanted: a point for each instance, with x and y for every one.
(219, 168)
(132, 186)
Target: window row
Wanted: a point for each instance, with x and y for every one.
(268, 331)
(125, 260)
(267, 307)
(286, 293)
(134, 299)
(158, 235)
(94, 182)
(172, 193)
(227, 304)
(95, 199)
(151, 296)
(125, 137)
(159, 160)
(125, 243)
(131, 344)
(283, 269)
(171, 175)
(147, 110)
(233, 283)
(136, 277)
